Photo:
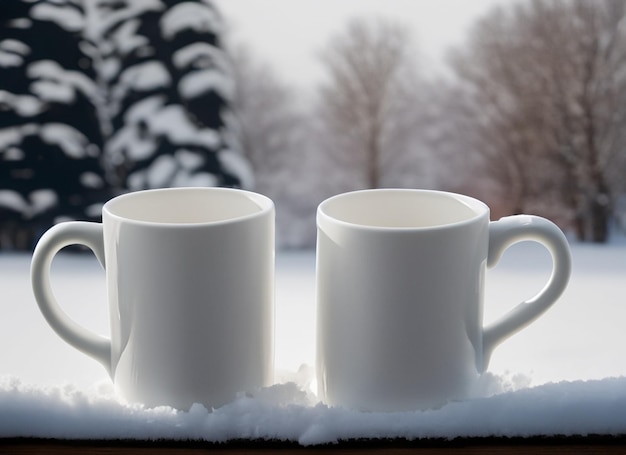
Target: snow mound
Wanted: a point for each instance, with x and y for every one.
(286, 412)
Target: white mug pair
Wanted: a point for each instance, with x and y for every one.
(400, 277)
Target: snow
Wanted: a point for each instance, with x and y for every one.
(142, 77)
(236, 164)
(188, 160)
(130, 142)
(169, 121)
(126, 39)
(188, 15)
(67, 17)
(10, 136)
(13, 154)
(23, 105)
(282, 413)
(61, 78)
(173, 122)
(199, 54)
(168, 170)
(128, 10)
(196, 83)
(14, 46)
(143, 109)
(91, 180)
(69, 139)
(11, 52)
(183, 179)
(109, 68)
(8, 59)
(564, 375)
(12, 200)
(161, 171)
(53, 92)
(42, 200)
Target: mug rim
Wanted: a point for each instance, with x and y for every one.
(479, 207)
(265, 204)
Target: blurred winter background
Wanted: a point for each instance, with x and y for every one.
(521, 104)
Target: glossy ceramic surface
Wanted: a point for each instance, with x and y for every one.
(190, 276)
(400, 278)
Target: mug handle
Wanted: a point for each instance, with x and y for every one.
(506, 232)
(57, 237)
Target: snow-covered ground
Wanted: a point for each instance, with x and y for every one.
(47, 387)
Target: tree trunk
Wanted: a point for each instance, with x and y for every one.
(579, 228)
(599, 223)
(599, 217)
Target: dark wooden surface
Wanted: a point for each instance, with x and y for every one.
(551, 445)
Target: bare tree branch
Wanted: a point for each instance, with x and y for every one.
(361, 104)
(547, 82)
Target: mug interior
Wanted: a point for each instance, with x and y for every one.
(399, 208)
(187, 205)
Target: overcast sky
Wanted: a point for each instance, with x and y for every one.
(290, 33)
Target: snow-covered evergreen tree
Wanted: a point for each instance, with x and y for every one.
(50, 140)
(168, 84)
(106, 96)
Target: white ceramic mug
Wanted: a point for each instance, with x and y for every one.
(400, 277)
(190, 281)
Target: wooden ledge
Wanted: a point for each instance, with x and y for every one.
(484, 446)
